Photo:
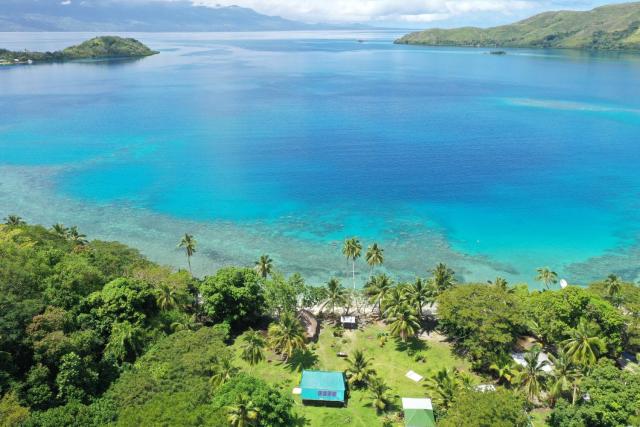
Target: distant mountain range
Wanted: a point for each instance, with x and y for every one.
(111, 15)
(613, 27)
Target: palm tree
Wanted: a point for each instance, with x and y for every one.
(352, 250)
(287, 335)
(187, 323)
(189, 244)
(350, 300)
(585, 346)
(547, 277)
(467, 381)
(396, 299)
(376, 290)
(168, 297)
(442, 278)
(244, 413)
(14, 221)
(379, 395)
(532, 376)
(76, 237)
(222, 371)
(565, 378)
(359, 372)
(264, 266)
(504, 371)
(374, 255)
(614, 286)
(252, 347)
(404, 323)
(502, 284)
(443, 386)
(536, 330)
(60, 230)
(126, 342)
(419, 293)
(336, 295)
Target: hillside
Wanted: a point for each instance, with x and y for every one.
(108, 47)
(613, 27)
(104, 15)
(99, 47)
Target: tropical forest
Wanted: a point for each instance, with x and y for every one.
(94, 334)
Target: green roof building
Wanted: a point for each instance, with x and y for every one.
(418, 412)
(322, 386)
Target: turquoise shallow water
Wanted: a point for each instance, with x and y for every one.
(285, 143)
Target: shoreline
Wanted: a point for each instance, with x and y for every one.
(226, 243)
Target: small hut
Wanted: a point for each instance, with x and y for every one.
(518, 357)
(310, 324)
(418, 412)
(349, 322)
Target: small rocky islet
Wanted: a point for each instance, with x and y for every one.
(104, 47)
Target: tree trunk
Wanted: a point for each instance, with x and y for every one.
(189, 262)
(354, 274)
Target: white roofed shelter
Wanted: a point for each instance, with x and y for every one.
(413, 376)
(349, 321)
(542, 357)
(415, 403)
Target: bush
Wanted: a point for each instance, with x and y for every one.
(500, 408)
(275, 409)
(420, 357)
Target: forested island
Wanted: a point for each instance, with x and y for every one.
(613, 27)
(94, 334)
(97, 48)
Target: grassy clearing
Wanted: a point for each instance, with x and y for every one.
(391, 362)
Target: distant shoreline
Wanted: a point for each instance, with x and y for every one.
(606, 28)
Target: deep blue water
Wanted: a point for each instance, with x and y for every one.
(494, 164)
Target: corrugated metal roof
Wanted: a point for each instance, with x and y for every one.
(326, 380)
(322, 386)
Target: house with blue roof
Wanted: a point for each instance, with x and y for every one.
(323, 387)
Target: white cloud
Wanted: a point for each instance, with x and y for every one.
(347, 11)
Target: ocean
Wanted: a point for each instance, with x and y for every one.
(286, 143)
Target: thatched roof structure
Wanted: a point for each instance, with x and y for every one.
(310, 324)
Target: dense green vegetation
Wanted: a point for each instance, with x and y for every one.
(98, 47)
(613, 27)
(93, 334)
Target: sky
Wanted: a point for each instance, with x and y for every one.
(407, 13)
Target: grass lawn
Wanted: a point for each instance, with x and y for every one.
(391, 363)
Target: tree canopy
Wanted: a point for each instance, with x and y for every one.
(558, 313)
(483, 321)
(613, 400)
(233, 295)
